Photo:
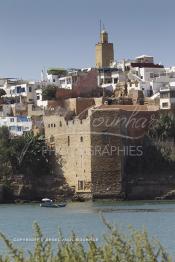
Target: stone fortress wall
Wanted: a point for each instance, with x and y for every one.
(71, 140)
(85, 149)
(93, 152)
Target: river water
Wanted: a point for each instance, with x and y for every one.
(85, 219)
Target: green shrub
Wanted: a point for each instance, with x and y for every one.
(115, 247)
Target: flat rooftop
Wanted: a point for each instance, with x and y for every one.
(129, 107)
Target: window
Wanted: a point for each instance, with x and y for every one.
(164, 94)
(38, 97)
(115, 80)
(12, 128)
(80, 184)
(18, 89)
(52, 139)
(164, 105)
(54, 125)
(62, 81)
(30, 89)
(172, 94)
(51, 125)
(81, 139)
(68, 80)
(68, 141)
(60, 123)
(11, 120)
(48, 125)
(108, 81)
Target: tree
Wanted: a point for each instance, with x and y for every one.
(28, 156)
(49, 93)
(164, 128)
(5, 164)
(2, 92)
(23, 155)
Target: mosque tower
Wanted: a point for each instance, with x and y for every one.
(104, 51)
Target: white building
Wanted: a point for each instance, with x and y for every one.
(17, 125)
(68, 79)
(53, 75)
(149, 77)
(26, 91)
(109, 77)
(19, 89)
(167, 97)
(39, 99)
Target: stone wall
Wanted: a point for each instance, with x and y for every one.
(106, 160)
(93, 152)
(144, 190)
(89, 152)
(72, 143)
(79, 105)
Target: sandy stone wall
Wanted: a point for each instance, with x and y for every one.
(72, 143)
(89, 152)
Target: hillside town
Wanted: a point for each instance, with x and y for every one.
(69, 108)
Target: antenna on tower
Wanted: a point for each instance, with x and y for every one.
(100, 26)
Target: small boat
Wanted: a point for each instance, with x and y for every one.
(46, 202)
(61, 205)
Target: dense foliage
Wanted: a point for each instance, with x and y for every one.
(116, 247)
(163, 128)
(2, 92)
(49, 93)
(57, 71)
(23, 155)
(158, 150)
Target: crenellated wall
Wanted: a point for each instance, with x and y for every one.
(72, 143)
(82, 145)
(93, 150)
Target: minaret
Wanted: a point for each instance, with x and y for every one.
(104, 51)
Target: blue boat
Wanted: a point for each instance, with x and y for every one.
(46, 202)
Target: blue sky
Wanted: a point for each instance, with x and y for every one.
(53, 33)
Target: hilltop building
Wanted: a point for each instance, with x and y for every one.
(19, 90)
(104, 51)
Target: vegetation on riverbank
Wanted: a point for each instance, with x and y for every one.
(158, 151)
(116, 247)
(23, 155)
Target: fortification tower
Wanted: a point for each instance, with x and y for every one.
(104, 51)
